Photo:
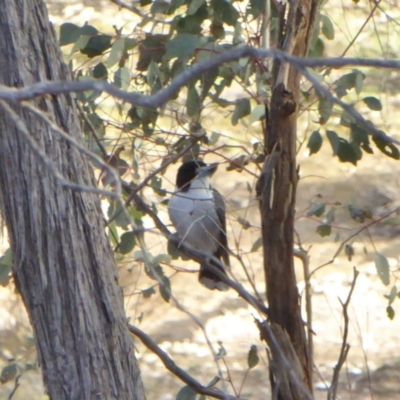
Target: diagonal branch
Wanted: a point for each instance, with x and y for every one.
(177, 371)
(345, 346)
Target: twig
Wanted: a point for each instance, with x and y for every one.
(16, 386)
(303, 256)
(92, 129)
(197, 321)
(145, 181)
(337, 252)
(137, 11)
(360, 30)
(345, 346)
(22, 129)
(177, 371)
(161, 97)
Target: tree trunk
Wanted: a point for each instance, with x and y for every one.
(63, 264)
(278, 183)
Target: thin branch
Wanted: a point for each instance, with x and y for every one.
(305, 259)
(197, 321)
(345, 346)
(161, 97)
(177, 371)
(137, 11)
(162, 167)
(325, 92)
(92, 129)
(16, 386)
(360, 30)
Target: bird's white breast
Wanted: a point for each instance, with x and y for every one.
(195, 219)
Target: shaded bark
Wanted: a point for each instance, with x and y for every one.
(278, 183)
(63, 264)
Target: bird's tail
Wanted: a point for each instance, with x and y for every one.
(209, 279)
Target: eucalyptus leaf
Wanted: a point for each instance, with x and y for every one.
(382, 268)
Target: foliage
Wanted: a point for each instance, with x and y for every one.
(137, 140)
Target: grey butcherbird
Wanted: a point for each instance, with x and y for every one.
(197, 211)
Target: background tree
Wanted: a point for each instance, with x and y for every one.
(143, 136)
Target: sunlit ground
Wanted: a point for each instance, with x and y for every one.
(372, 369)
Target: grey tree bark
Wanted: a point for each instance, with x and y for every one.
(63, 264)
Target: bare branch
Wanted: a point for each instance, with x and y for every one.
(345, 346)
(305, 259)
(16, 386)
(325, 92)
(171, 159)
(161, 97)
(177, 371)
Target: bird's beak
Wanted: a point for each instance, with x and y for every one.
(208, 170)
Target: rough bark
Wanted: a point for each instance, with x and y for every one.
(278, 183)
(63, 264)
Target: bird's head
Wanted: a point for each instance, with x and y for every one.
(191, 170)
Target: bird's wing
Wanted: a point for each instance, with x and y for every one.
(223, 241)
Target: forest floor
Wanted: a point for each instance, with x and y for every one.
(372, 368)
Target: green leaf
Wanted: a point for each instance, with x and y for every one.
(147, 293)
(113, 233)
(359, 214)
(330, 216)
(193, 102)
(252, 357)
(257, 113)
(100, 71)
(156, 185)
(317, 208)
(165, 288)
(327, 27)
(194, 5)
(213, 138)
(80, 44)
(373, 103)
(392, 295)
(122, 78)
(127, 242)
(390, 312)
(349, 251)
(173, 251)
(314, 142)
(97, 45)
(349, 81)
(324, 230)
(242, 109)
(317, 50)
(334, 141)
(69, 33)
(159, 7)
(117, 50)
(207, 81)
(360, 136)
(152, 48)
(256, 245)
(382, 267)
(325, 107)
(348, 152)
(224, 11)
(182, 46)
(387, 148)
(186, 393)
(8, 373)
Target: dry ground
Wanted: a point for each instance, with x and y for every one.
(372, 370)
